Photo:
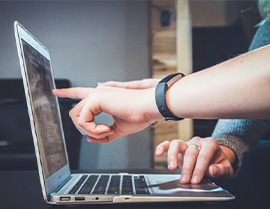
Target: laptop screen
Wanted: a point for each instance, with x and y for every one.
(45, 110)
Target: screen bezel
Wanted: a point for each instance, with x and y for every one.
(55, 180)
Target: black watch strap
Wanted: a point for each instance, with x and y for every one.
(160, 95)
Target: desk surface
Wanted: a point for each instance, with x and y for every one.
(21, 189)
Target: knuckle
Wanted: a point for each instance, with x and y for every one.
(80, 123)
(70, 113)
(204, 157)
(211, 143)
(162, 144)
(174, 141)
(196, 138)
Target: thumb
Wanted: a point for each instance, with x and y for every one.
(74, 93)
(220, 170)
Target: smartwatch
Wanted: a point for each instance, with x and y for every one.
(160, 95)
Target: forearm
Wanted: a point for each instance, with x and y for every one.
(238, 88)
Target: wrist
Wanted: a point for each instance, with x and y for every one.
(150, 109)
(161, 96)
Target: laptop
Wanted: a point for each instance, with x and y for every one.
(59, 185)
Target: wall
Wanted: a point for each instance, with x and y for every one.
(89, 41)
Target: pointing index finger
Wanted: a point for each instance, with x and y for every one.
(74, 93)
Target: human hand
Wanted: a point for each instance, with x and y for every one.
(132, 111)
(138, 84)
(198, 157)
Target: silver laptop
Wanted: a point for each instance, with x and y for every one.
(59, 186)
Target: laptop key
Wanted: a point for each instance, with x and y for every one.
(77, 185)
(113, 190)
(127, 192)
(114, 185)
(127, 187)
(101, 185)
(88, 186)
(140, 185)
(142, 191)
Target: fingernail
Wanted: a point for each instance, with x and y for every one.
(172, 164)
(184, 178)
(195, 179)
(158, 150)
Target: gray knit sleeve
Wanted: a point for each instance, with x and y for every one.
(240, 135)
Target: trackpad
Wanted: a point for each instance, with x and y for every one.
(164, 185)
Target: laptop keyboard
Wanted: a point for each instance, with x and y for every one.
(110, 185)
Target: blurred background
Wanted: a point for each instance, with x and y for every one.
(97, 41)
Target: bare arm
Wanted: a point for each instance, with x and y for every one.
(238, 88)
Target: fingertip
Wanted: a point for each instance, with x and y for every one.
(100, 141)
(170, 168)
(159, 151)
(184, 179)
(55, 91)
(107, 83)
(172, 165)
(90, 139)
(195, 179)
(58, 92)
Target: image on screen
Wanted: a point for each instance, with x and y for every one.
(45, 111)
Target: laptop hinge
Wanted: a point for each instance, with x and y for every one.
(61, 185)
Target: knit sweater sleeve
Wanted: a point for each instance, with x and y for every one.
(240, 135)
